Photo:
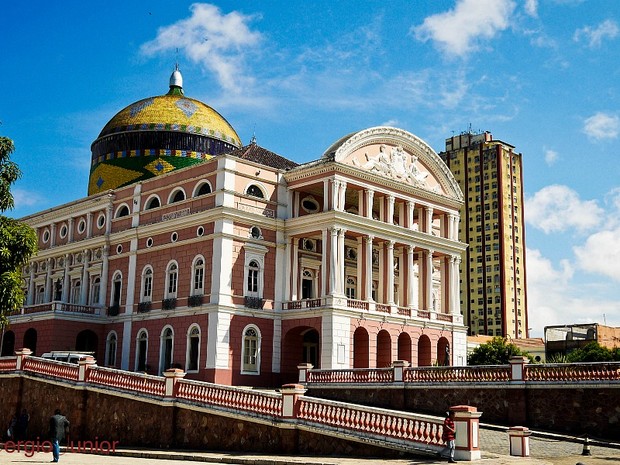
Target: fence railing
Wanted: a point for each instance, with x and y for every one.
(401, 430)
(518, 370)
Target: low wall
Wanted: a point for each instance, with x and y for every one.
(100, 416)
(575, 408)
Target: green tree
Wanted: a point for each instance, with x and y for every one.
(592, 352)
(18, 241)
(495, 352)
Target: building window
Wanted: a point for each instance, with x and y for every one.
(255, 191)
(110, 349)
(198, 273)
(252, 281)
(251, 351)
(147, 285)
(202, 189)
(117, 286)
(151, 203)
(142, 345)
(193, 349)
(177, 196)
(94, 291)
(351, 287)
(76, 292)
(307, 284)
(123, 210)
(172, 276)
(165, 349)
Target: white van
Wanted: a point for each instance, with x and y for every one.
(67, 356)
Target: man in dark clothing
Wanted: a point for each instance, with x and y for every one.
(59, 426)
(449, 434)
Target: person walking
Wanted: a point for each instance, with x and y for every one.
(59, 427)
(449, 435)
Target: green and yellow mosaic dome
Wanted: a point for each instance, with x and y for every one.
(156, 135)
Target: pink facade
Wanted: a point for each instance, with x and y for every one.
(239, 268)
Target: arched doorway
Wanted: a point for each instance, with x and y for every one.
(361, 348)
(404, 347)
(444, 356)
(300, 344)
(86, 341)
(165, 354)
(424, 351)
(30, 340)
(384, 349)
(8, 344)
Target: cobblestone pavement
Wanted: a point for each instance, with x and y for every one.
(546, 450)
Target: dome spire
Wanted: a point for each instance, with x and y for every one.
(176, 82)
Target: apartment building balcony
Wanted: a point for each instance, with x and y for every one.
(58, 307)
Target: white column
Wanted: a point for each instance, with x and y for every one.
(428, 271)
(222, 265)
(49, 284)
(370, 196)
(389, 269)
(429, 220)
(53, 235)
(289, 260)
(410, 276)
(361, 196)
(368, 275)
(342, 195)
(390, 210)
(335, 193)
(31, 286)
(341, 279)
(70, 230)
(401, 214)
(296, 205)
(333, 261)
(325, 195)
(66, 284)
(410, 211)
(85, 279)
(295, 270)
(289, 205)
(324, 263)
(89, 225)
(454, 287)
(103, 281)
(358, 264)
(131, 275)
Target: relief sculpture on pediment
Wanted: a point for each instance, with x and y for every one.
(398, 165)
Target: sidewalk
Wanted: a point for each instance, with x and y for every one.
(548, 450)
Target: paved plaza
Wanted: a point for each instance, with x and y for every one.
(548, 450)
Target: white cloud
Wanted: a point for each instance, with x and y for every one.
(458, 31)
(219, 42)
(551, 156)
(594, 36)
(602, 126)
(554, 297)
(600, 254)
(531, 7)
(24, 198)
(557, 208)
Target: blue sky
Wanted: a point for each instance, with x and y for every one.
(542, 76)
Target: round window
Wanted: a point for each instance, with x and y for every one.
(149, 242)
(119, 249)
(174, 237)
(46, 236)
(101, 221)
(63, 231)
(81, 226)
(310, 205)
(200, 231)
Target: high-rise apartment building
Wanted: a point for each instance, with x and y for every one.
(493, 276)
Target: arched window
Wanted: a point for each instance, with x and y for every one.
(307, 284)
(177, 196)
(172, 276)
(110, 349)
(151, 203)
(40, 297)
(94, 290)
(202, 189)
(165, 349)
(193, 349)
(252, 282)
(198, 273)
(147, 285)
(142, 345)
(123, 210)
(255, 191)
(250, 363)
(117, 285)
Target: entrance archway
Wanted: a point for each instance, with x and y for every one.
(86, 341)
(8, 344)
(404, 347)
(361, 348)
(443, 352)
(424, 351)
(384, 349)
(30, 340)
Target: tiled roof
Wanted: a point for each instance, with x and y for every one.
(258, 154)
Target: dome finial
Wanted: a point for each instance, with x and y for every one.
(176, 82)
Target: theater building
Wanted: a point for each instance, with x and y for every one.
(237, 264)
